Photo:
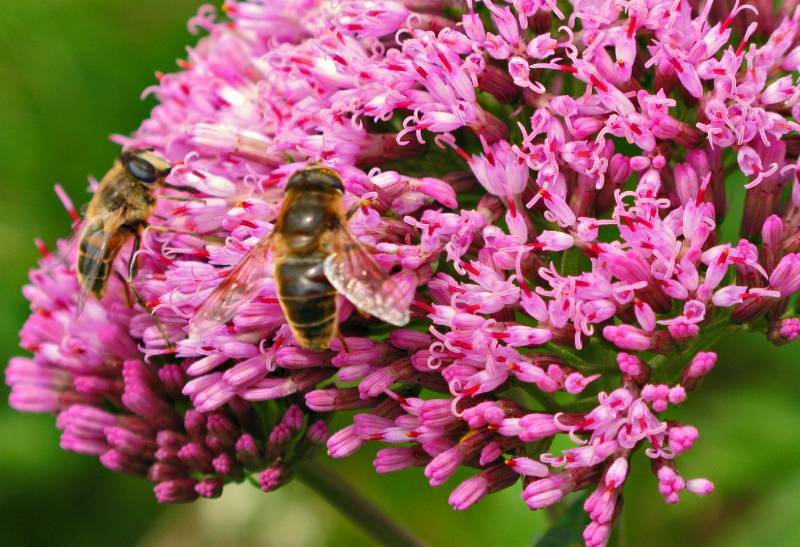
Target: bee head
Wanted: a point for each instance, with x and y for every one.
(316, 177)
(145, 165)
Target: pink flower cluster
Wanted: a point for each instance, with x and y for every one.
(551, 180)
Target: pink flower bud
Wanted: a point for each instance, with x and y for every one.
(700, 487)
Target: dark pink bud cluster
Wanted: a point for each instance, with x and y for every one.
(114, 404)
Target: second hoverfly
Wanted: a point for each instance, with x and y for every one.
(315, 258)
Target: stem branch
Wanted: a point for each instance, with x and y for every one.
(354, 506)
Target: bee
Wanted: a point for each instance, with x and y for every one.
(118, 210)
(315, 258)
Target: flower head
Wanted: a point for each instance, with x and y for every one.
(548, 186)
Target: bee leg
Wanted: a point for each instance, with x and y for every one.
(133, 267)
(356, 206)
(343, 341)
(124, 281)
(182, 187)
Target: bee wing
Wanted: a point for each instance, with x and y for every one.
(353, 272)
(111, 223)
(240, 287)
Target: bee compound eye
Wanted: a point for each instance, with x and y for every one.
(141, 169)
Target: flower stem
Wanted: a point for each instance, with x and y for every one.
(354, 506)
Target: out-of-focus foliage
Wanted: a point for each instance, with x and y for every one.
(70, 74)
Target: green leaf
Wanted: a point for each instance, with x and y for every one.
(567, 531)
(570, 261)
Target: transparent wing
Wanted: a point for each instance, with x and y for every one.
(240, 287)
(355, 274)
(111, 223)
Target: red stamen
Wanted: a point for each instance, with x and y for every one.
(631, 27)
(471, 269)
(43, 250)
(444, 60)
(740, 47)
(512, 207)
(726, 23)
(464, 156)
(301, 60)
(471, 391)
(423, 306)
(627, 221)
(598, 84)
(596, 249)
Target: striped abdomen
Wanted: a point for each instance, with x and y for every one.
(90, 255)
(307, 299)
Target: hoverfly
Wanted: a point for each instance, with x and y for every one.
(315, 258)
(118, 210)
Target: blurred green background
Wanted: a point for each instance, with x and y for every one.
(71, 72)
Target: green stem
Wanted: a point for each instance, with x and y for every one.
(570, 357)
(354, 506)
(547, 401)
(620, 537)
(668, 368)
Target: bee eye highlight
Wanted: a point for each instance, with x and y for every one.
(141, 169)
